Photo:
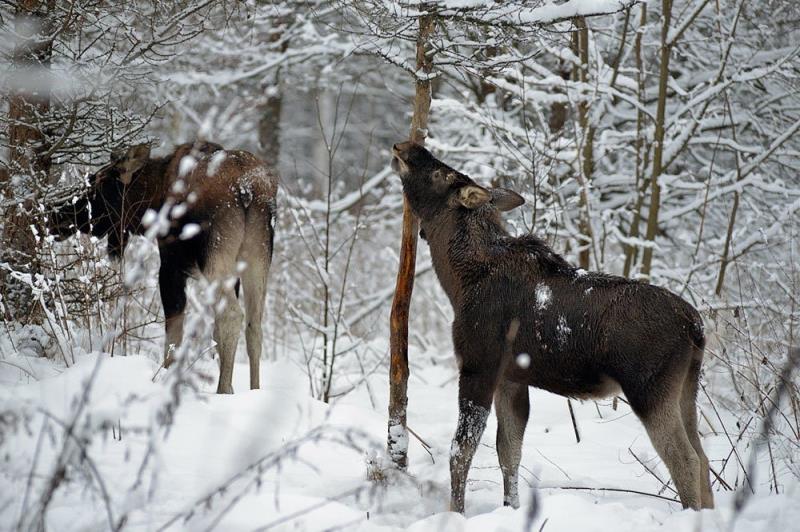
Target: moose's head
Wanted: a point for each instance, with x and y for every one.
(433, 187)
(112, 205)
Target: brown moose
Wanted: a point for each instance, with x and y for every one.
(223, 206)
(577, 334)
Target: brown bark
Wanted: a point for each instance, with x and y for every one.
(398, 322)
(26, 136)
(559, 110)
(725, 259)
(631, 251)
(269, 124)
(269, 129)
(658, 138)
(28, 164)
(580, 44)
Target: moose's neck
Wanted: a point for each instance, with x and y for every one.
(461, 243)
(147, 190)
(158, 179)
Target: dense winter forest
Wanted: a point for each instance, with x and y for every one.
(656, 140)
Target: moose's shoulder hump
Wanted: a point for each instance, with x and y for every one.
(550, 261)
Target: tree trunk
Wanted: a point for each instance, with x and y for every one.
(269, 127)
(28, 164)
(398, 323)
(580, 45)
(559, 110)
(725, 259)
(658, 139)
(631, 250)
(269, 123)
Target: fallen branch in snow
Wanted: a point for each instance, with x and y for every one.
(425, 444)
(664, 485)
(618, 490)
(574, 421)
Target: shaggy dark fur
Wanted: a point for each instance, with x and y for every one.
(525, 317)
(229, 195)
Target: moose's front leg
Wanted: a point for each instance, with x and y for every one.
(474, 400)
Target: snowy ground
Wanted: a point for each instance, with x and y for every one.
(321, 483)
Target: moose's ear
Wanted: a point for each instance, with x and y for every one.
(506, 200)
(132, 161)
(473, 196)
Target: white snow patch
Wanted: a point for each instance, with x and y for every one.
(214, 438)
(562, 330)
(455, 449)
(398, 440)
(187, 164)
(179, 186)
(149, 218)
(178, 211)
(189, 231)
(543, 296)
(216, 160)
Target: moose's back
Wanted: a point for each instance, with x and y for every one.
(228, 180)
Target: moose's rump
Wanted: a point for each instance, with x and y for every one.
(231, 180)
(226, 195)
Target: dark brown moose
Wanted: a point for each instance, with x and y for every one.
(221, 208)
(525, 317)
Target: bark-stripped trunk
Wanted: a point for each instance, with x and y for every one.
(658, 139)
(29, 164)
(398, 323)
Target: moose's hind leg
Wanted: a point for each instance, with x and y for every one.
(227, 325)
(512, 407)
(689, 415)
(221, 269)
(256, 253)
(254, 283)
(666, 430)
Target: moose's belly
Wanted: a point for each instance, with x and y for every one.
(562, 373)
